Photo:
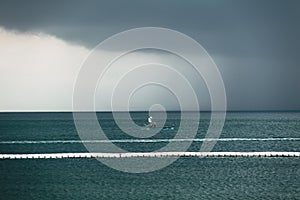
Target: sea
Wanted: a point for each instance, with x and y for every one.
(186, 178)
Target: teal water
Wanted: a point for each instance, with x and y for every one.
(187, 178)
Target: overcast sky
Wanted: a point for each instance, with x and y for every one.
(255, 44)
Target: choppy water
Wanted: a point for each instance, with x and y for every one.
(187, 178)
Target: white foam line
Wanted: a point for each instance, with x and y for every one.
(147, 140)
(149, 155)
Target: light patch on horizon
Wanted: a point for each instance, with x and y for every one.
(37, 71)
(156, 66)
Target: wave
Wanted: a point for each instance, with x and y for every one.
(146, 140)
(148, 154)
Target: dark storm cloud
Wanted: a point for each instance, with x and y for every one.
(255, 43)
(78, 19)
(237, 28)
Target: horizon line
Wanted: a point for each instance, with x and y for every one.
(109, 111)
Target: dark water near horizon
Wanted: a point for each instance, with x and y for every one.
(187, 178)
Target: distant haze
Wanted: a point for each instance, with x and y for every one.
(255, 44)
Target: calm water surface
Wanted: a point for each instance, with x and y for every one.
(187, 178)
